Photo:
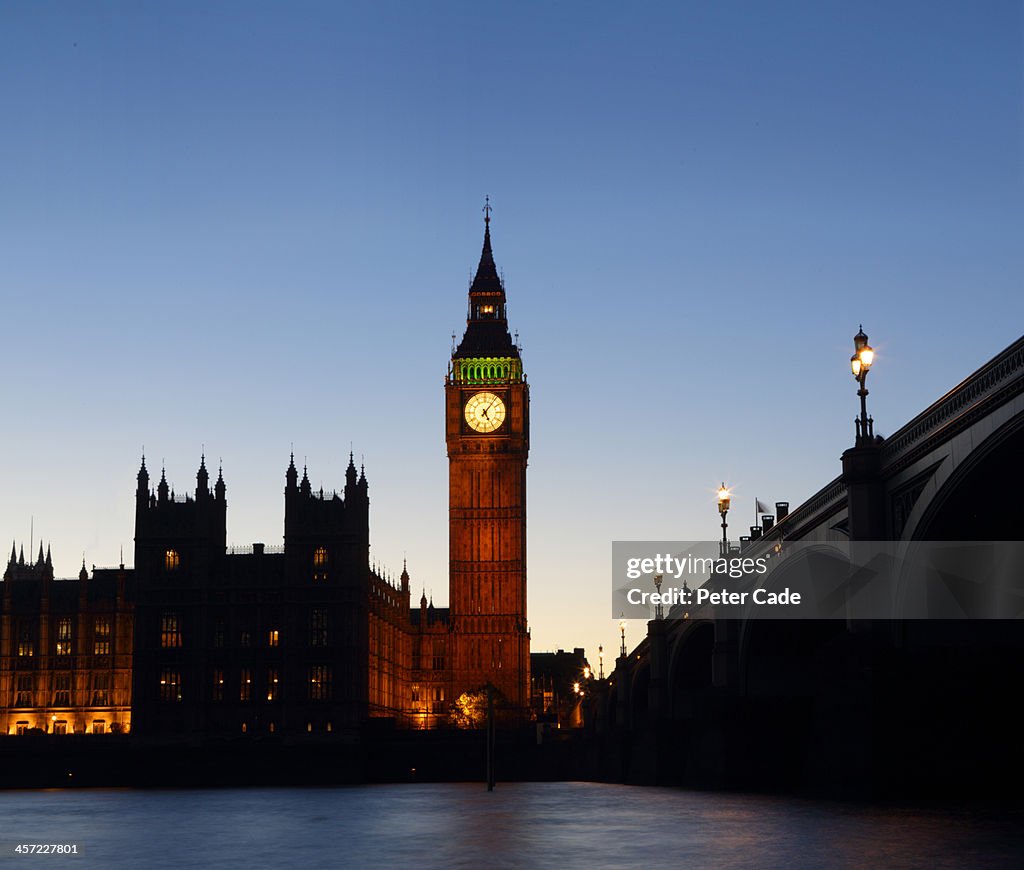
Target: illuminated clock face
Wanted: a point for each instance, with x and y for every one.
(485, 412)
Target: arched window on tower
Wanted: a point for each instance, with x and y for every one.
(172, 560)
(319, 564)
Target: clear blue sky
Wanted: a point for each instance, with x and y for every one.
(248, 225)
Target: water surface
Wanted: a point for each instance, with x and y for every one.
(518, 825)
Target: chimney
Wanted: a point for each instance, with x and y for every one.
(767, 521)
(781, 510)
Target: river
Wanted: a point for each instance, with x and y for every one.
(518, 825)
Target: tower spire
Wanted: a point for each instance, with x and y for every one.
(486, 325)
(486, 280)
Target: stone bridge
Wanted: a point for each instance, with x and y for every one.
(834, 706)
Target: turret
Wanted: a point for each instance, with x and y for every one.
(202, 479)
(219, 489)
(142, 490)
(291, 476)
(350, 476)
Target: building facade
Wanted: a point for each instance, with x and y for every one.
(65, 649)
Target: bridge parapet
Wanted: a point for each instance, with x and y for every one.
(994, 383)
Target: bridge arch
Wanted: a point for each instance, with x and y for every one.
(979, 501)
(690, 668)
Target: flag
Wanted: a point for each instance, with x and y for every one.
(761, 508)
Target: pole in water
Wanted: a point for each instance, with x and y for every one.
(490, 738)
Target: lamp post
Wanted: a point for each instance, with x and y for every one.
(600, 662)
(860, 364)
(724, 501)
(659, 612)
(622, 631)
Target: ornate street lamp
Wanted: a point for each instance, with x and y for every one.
(724, 500)
(600, 662)
(860, 364)
(622, 631)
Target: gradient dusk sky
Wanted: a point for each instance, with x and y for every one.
(252, 225)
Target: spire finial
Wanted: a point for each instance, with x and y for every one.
(487, 211)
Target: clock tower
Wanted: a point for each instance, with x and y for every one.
(487, 430)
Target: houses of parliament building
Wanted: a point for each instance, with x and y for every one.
(306, 638)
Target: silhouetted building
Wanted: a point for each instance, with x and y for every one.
(559, 682)
(304, 638)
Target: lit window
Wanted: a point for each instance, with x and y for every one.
(26, 647)
(64, 636)
(319, 564)
(271, 727)
(218, 685)
(273, 637)
(100, 689)
(170, 631)
(245, 727)
(172, 560)
(320, 683)
(101, 636)
(24, 696)
(272, 683)
(415, 693)
(170, 685)
(20, 727)
(245, 685)
(60, 726)
(99, 726)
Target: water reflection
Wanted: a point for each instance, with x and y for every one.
(518, 825)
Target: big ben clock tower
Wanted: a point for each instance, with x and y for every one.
(487, 429)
